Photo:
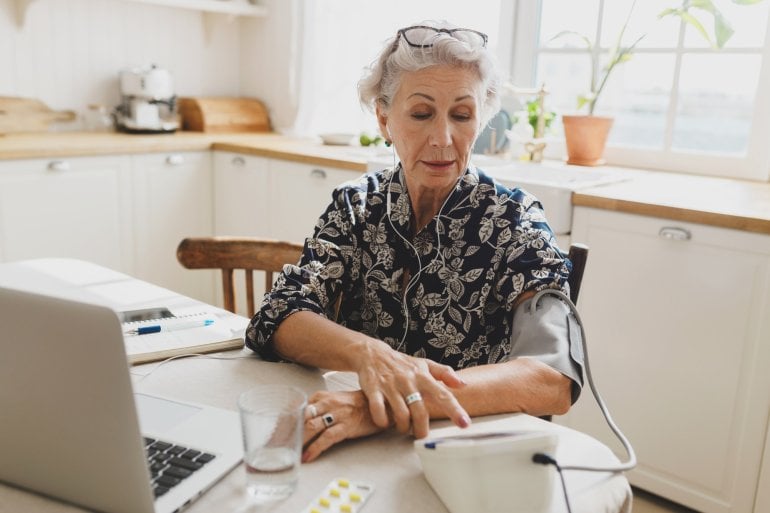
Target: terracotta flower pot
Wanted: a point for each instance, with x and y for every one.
(586, 137)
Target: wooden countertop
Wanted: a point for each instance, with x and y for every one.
(737, 204)
(79, 144)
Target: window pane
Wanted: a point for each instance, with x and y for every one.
(637, 95)
(565, 77)
(559, 15)
(716, 101)
(644, 21)
(748, 22)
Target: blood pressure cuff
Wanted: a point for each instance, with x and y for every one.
(549, 334)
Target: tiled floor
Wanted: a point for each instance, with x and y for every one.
(647, 503)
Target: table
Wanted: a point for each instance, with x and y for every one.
(386, 460)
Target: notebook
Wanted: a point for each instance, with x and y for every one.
(78, 279)
(72, 427)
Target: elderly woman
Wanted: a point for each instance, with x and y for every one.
(417, 277)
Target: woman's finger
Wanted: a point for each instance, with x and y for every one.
(377, 407)
(419, 413)
(445, 403)
(330, 436)
(313, 428)
(399, 410)
(445, 374)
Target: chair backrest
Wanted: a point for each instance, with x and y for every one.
(578, 254)
(231, 253)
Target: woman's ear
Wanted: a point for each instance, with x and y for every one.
(382, 121)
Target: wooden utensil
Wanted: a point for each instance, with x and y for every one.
(224, 115)
(29, 115)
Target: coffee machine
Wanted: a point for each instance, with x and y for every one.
(148, 103)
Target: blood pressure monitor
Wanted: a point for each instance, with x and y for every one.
(489, 472)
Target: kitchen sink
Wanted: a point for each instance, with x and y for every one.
(550, 182)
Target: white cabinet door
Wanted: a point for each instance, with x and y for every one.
(173, 195)
(242, 196)
(73, 207)
(299, 194)
(678, 324)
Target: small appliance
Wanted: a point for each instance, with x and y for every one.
(148, 103)
(489, 472)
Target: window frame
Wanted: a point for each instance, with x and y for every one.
(754, 165)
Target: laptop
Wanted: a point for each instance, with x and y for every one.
(72, 427)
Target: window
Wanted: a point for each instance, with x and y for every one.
(678, 103)
(342, 37)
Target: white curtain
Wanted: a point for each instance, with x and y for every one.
(337, 39)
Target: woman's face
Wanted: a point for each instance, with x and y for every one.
(433, 122)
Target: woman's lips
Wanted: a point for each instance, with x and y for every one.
(439, 164)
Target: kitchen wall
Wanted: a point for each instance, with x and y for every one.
(270, 50)
(68, 52)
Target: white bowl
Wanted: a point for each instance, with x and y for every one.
(338, 139)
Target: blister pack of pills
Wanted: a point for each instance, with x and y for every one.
(341, 496)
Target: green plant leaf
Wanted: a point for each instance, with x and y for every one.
(693, 21)
(564, 33)
(722, 29)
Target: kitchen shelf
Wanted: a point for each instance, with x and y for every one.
(231, 7)
(227, 7)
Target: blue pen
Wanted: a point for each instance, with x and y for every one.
(172, 326)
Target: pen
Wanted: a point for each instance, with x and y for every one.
(157, 328)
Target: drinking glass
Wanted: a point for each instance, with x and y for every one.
(272, 417)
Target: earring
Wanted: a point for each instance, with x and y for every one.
(388, 143)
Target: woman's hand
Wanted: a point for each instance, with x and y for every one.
(388, 378)
(350, 418)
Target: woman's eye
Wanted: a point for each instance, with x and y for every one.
(462, 116)
(421, 115)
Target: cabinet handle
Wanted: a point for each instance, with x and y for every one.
(318, 173)
(674, 233)
(59, 165)
(238, 161)
(175, 160)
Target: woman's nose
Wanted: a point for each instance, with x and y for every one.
(441, 134)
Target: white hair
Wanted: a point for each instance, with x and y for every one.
(383, 77)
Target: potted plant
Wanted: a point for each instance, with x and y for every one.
(586, 134)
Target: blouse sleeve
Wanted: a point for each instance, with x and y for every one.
(533, 258)
(313, 284)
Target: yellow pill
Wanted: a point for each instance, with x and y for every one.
(346, 508)
(315, 510)
(354, 497)
(334, 492)
(323, 501)
(344, 483)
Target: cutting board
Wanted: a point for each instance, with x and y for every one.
(224, 115)
(29, 115)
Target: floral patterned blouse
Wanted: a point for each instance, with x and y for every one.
(454, 283)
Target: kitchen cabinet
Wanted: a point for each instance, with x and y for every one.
(299, 194)
(73, 207)
(272, 198)
(677, 317)
(172, 199)
(242, 195)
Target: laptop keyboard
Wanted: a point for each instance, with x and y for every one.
(170, 464)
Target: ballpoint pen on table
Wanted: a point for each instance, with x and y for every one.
(170, 326)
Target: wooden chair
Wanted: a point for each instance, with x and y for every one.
(578, 254)
(230, 253)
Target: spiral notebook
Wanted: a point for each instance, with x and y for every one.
(181, 321)
(160, 334)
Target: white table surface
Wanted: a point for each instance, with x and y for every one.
(386, 460)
